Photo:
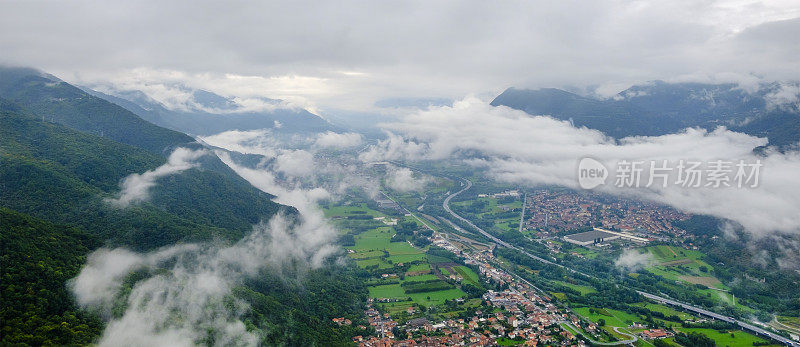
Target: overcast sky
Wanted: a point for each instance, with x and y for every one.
(347, 55)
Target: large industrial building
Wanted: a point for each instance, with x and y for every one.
(598, 235)
(590, 237)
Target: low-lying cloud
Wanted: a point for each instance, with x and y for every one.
(403, 180)
(338, 140)
(515, 147)
(297, 163)
(633, 260)
(786, 96)
(298, 160)
(136, 187)
(187, 297)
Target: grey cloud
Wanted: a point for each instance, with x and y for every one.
(360, 52)
(515, 147)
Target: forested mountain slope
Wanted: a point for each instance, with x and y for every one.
(61, 175)
(660, 108)
(37, 259)
(62, 154)
(210, 113)
(57, 101)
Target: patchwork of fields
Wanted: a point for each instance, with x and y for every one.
(403, 275)
(682, 265)
(503, 216)
(614, 318)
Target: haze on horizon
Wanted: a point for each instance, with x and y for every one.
(349, 55)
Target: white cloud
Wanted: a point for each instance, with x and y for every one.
(403, 180)
(188, 292)
(188, 295)
(513, 146)
(296, 163)
(786, 96)
(248, 142)
(633, 260)
(338, 140)
(136, 187)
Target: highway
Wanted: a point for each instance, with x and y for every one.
(698, 310)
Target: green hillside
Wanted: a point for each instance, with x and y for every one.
(36, 259)
(57, 101)
(61, 175)
(55, 172)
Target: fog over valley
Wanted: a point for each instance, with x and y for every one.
(407, 173)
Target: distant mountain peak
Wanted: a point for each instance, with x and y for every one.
(659, 107)
(213, 101)
(202, 112)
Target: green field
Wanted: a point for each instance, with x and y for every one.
(494, 211)
(373, 248)
(407, 258)
(467, 274)
(503, 341)
(433, 259)
(668, 311)
(419, 278)
(394, 308)
(366, 255)
(613, 318)
(677, 264)
(791, 322)
(437, 297)
(586, 252)
(427, 298)
(387, 291)
(739, 338)
(340, 211)
(420, 268)
(582, 289)
(373, 240)
(374, 261)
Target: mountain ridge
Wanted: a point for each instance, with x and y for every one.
(217, 114)
(659, 108)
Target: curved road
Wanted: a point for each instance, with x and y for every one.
(698, 310)
(629, 341)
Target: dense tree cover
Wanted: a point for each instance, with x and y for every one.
(297, 308)
(408, 231)
(662, 108)
(694, 339)
(61, 175)
(608, 293)
(36, 260)
(441, 252)
(749, 266)
(57, 174)
(60, 102)
(753, 294)
(425, 286)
